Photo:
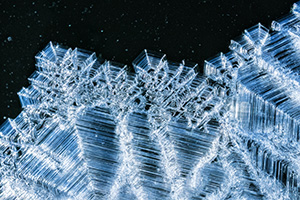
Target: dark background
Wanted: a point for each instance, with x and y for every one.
(120, 30)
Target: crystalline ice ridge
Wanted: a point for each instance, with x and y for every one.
(96, 131)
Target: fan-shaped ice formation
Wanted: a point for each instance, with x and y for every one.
(96, 131)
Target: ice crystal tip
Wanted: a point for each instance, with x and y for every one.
(92, 130)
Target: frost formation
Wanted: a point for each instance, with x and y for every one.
(97, 131)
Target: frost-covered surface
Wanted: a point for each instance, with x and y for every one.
(96, 131)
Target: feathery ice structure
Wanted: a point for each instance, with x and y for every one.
(96, 131)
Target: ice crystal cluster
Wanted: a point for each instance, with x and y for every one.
(92, 130)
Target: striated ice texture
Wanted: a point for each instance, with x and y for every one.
(91, 130)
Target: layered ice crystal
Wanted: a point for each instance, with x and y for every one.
(92, 130)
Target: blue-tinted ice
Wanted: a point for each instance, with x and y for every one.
(91, 130)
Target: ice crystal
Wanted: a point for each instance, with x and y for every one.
(92, 130)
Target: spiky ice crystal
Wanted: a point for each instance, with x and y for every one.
(97, 131)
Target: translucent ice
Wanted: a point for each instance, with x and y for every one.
(91, 130)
